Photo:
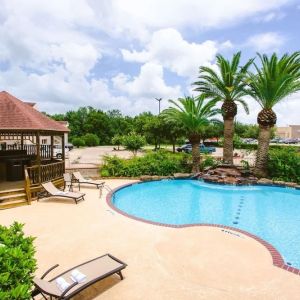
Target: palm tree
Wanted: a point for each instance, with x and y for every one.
(192, 114)
(226, 85)
(274, 81)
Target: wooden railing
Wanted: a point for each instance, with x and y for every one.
(30, 149)
(43, 173)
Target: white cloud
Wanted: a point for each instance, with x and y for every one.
(136, 18)
(52, 52)
(149, 84)
(168, 48)
(269, 41)
(270, 16)
(288, 110)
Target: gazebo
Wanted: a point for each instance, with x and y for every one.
(22, 156)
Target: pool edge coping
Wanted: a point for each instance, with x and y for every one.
(275, 254)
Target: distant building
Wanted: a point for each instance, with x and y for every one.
(289, 132)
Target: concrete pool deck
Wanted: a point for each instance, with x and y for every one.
(163, 263)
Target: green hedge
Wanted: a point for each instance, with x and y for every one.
(284, 164)
(160, 163)
(17, 263)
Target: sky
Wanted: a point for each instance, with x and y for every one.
(122, 54)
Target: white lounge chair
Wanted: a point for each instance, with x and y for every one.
(81, 180)
(52, 190)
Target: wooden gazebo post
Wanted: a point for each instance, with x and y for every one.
(38, 154)
(63, 151)
(22, 141)
(52, 144)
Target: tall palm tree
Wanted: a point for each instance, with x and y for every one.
(274, 81)
(227, 85)
(193, 114)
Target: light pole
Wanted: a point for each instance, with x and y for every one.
(159, 100)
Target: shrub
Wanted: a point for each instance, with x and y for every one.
(117, 140)
(237, 142)
(160, 163)
(17, 263)
(208, 161)
(78, 142)
(91, 139)
(284, 164)
(133, 142)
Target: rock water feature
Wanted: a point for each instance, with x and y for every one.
(225, 174)
(229, 175)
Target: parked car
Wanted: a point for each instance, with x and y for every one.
(187, 148)
(70, 146)
(277, 140)
(291, 141)
(57, 151)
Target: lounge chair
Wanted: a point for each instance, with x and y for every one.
(51, 190)
(81, 180)
(93, 271)
(68, 182)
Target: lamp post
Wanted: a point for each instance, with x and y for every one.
(159, 100)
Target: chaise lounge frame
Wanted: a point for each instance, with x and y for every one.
(49, 188)
(63, 296)
(78, 178)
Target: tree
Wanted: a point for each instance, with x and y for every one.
(274, 81)
(228, 87)
(193, 114)
(212, 130)
(117, 140)
(91, 139)
(78, 142)
(153, 129)
(133, 142)
(172, 132)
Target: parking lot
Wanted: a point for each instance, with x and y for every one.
(90, 157)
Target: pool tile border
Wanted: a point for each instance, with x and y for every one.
(276, 256)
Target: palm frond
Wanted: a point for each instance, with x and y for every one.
(228, 83)
(192, 113)
(276, 79)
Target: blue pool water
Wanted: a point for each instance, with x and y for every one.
(271, 213)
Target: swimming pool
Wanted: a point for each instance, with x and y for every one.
(271, 213)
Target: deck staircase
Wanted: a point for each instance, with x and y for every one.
(12, 198)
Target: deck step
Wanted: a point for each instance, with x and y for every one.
(13, 197)
(13, 204)
(11, 192)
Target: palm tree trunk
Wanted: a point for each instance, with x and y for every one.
(196, 157)
(262, 151)
(228, 141)
(195, 141)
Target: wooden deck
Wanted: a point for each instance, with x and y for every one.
(17, 193)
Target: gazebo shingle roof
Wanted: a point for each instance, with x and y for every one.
(18, 115)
